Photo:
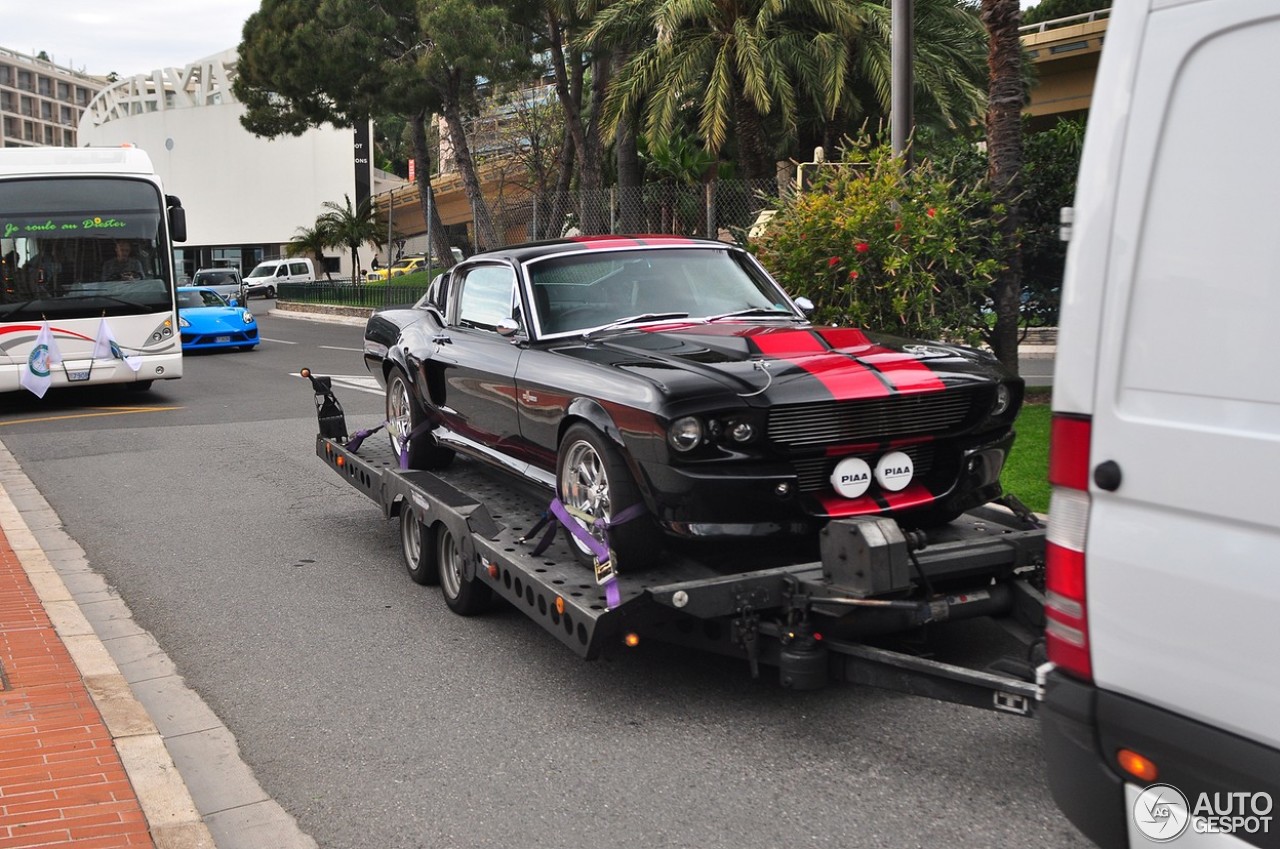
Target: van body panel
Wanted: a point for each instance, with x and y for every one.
(1169, 302)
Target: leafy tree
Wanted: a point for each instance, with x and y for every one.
(341, 61)
(311, 241)
(755, 68)
(909, 253)
(352, 226)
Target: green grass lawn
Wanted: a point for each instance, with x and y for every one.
(1026, 472)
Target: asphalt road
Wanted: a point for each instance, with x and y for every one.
(380, 720)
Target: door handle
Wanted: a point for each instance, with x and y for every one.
(1107, 475)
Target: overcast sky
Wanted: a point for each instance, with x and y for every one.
(127, 36)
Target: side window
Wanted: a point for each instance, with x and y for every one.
(298, 268)
(282, 271)
(486, 297)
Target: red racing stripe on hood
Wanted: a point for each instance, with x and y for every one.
(902, 370)
(843, 376)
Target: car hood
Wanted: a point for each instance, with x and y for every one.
(211, 317)
(776, 364)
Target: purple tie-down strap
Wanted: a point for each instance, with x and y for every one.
(598, 548)
(612, 595)
(353, 443)
(404, 447)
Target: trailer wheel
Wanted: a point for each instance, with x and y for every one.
(464, 597)
(592, 478)
(404, 416)
(416, 545)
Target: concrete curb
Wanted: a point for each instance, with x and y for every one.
(185, 767)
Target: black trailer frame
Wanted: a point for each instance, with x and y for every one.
(815, 621)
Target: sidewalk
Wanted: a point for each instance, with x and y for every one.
(102, 744)
(81, 764)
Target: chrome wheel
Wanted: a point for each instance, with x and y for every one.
(399, 413)
(450, 564)
(584, 485)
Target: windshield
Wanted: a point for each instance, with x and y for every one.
(199, 298)
(264, 270)
(81, 246)
(214, 278)
(590, 290)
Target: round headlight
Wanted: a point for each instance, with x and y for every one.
(248, 317)
(685, 434)
(182, 322)
(742, 432)
(1003, 397)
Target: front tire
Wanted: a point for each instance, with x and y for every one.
(271, 292)
(465, 597)
(592, 478)
(405, 418)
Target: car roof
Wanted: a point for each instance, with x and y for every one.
(583, 244)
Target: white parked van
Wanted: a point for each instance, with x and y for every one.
(268, 276)
(1162, 712)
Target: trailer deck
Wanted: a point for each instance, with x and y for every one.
(815, 612)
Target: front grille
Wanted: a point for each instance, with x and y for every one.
(873, 420)
(814, 473)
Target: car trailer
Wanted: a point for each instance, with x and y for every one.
(474, 532)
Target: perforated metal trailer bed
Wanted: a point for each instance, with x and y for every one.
(816, 620)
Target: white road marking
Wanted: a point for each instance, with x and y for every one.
(277, 341)
(336, 348)
(358, 382)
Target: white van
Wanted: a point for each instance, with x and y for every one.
(1162, 710)
(268, 276)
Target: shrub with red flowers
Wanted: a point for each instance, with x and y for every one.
(909, 254)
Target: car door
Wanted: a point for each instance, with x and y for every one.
(478, 364)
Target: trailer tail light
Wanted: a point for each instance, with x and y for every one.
(1066, 615)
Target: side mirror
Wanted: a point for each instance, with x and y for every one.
(805, 305)
(235, 302)
(507, 328)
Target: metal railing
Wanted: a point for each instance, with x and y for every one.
(343, 293)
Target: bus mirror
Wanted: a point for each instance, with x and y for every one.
(178, 223)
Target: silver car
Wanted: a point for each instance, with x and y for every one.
(225, 281)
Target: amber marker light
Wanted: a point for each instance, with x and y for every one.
(493, 570)
(341, 461)
(631, 640)
(560, 605)
(1137, 765)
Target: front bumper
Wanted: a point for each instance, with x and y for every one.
(759, 498)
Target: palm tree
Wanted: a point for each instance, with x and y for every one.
(311, 241)
(352, 226)
(755, 68)
(1004, 162)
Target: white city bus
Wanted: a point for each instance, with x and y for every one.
(86, 251)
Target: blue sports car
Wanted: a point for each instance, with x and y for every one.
(209, 321)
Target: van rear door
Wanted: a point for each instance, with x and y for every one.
(1182, 597)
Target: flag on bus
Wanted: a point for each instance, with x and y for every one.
(38, 375)
(105, 347)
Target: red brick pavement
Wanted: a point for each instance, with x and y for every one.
(61, 779)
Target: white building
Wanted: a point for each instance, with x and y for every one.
(245, 196)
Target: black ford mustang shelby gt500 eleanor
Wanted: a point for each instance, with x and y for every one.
(676, 374)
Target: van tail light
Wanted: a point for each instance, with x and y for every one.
(1066, 613)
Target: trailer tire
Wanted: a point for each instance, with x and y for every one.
(405, 416)
(592, 477)
(416, 545)
(465, 596)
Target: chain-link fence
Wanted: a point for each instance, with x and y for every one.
(720, 209)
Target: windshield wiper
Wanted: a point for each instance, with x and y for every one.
(633, 319)
(760, 311)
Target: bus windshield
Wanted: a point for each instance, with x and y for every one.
(79, 247)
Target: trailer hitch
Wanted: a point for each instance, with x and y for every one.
(329, 415)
